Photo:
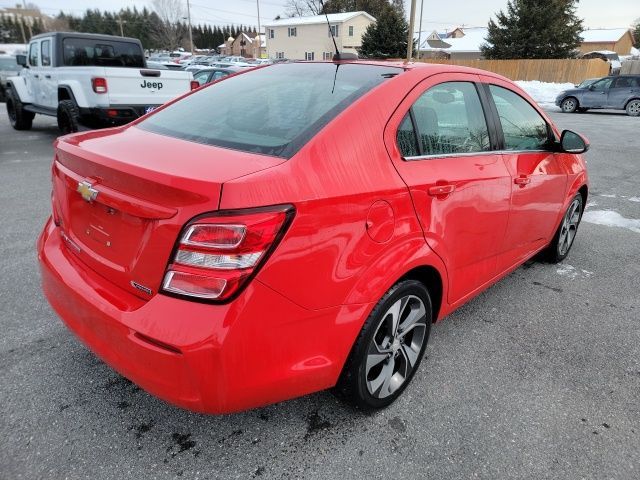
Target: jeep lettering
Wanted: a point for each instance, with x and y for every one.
(156, 85)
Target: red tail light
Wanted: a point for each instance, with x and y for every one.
(99, 84)
(194, 84)
(218, 254)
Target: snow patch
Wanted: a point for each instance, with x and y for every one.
(634, 199)
(609, 218)
(608, 195)
(590, 204)
(572, 272)
(543, 92)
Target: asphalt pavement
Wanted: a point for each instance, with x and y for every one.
(538, 377)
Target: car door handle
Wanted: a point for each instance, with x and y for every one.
(47, 76)
(438, 190)
(522, 181)
(35, 75)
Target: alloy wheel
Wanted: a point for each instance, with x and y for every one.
(569, 105)
(633, 108)
(394, 349)
(569, 227)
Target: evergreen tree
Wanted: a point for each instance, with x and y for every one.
(636, 33)
(387, 37)
(534, 29)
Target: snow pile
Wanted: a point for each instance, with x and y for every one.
(544, 93)
(610, 218)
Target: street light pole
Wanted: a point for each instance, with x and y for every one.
(420, 28)
(411, 27)
(190, 32)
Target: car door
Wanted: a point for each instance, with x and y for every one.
(622, 89)
(596, 95)
(539, 179)
(32, 73)
(47, 81)
(440, 144)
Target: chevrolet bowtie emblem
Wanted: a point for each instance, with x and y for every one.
(86, 190)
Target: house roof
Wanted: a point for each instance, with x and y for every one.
(333, 18)
(603, 35)
(471, 42)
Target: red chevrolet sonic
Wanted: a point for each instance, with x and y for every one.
(299, 227)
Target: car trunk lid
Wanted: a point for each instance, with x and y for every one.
(121, 198)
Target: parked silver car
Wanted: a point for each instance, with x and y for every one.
(621, 92)
(8, 68)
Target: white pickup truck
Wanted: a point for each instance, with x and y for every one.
(88, 79)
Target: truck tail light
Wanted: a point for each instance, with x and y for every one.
(194, 84)
(99, 84)
(217, 254)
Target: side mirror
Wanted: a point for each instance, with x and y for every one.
(571, 142)
(21, 60)
(591, 87)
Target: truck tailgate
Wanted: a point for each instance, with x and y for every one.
(135, 86)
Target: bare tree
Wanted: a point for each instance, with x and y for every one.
(302, 8)
(171, 29)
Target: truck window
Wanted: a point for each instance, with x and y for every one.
(101, 53)
(33, 54)
(46, 53)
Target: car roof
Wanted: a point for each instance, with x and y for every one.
(94, 36)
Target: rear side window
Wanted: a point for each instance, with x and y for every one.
(449, 119)
(522, 125)
(273, 110)
(46, 53)
(82, 52)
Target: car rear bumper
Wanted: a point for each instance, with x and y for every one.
(116, 114)
(259, 349)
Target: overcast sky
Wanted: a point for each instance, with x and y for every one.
(437, 13)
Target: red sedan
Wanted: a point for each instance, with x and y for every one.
(300, 226)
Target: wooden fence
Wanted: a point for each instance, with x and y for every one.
(557, 71)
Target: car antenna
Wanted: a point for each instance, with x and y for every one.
(338, 56)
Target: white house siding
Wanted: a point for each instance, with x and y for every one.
(314, 38)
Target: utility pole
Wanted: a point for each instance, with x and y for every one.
(411, 27)
(120, 22)
(190, 32)
(259, 39)
(24, 4)
(420, 29)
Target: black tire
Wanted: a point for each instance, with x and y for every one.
(19, 118)
(582, 110)
(558, 250)
(358, 377)
(569, 105)
(633, 108)
(68, 117)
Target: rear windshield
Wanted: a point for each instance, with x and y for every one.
(273, 110)
(81, 52)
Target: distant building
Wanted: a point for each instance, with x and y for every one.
(29, 15)
(619, 40)
(246, 44)
(460, 44)
(309, 38)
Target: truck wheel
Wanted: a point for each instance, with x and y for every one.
(19, 118)
(68, 115)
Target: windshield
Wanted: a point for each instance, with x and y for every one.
(101, 53)
(9, 64)
(273, 110)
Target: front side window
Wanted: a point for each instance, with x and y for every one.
(46, 53)
(97, 53)
(273, 111)
(626, 82)
(449, 119)
(602, 85)
(33, 54)
(522, 125)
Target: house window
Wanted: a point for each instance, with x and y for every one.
(272, 33)
(351, 30)
(293, 32)
(280, 55)
(327, 55)
(309, 56)
(243, 52)
(333, 30)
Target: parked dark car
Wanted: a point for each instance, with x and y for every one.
(621, 92)
(207, 75)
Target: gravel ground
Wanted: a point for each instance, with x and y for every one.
(538, 377)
